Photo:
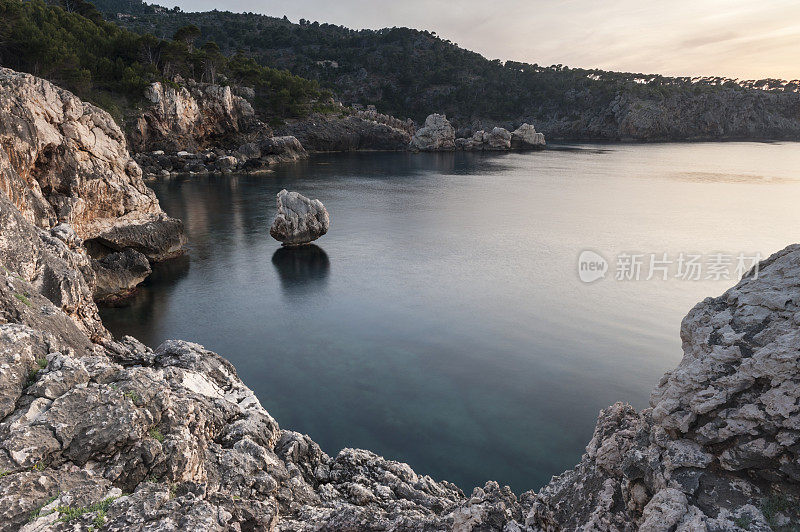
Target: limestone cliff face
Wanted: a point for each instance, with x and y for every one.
(193, 117)
(65, 162)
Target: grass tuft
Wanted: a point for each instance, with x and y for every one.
(156, 434)
(24, 299)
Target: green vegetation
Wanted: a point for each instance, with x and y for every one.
(133, 396)
(4, 473)
(41, 363)
(24, 299)
(68, 513)
(38, 512)
(411, 73)
(156, 434)
(69, 43)
(773, 505)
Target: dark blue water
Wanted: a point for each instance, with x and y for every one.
(441, 322)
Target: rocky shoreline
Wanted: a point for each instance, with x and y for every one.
(210, 129)
(103, 433)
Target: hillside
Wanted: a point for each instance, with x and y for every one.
(69, 43)
(411, 73)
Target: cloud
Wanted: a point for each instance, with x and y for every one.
(736, 38)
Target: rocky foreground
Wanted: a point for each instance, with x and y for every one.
(102, 433)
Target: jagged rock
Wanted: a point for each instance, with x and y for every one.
(158, 237)
(193, 116)
(525, 137)
(299, 220)
(436, 134)
(118, 274)
(499, 139)
(37, 267)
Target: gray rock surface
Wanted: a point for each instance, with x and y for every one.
(299, 220)
(251, 157)
(498, 139)
(118, 274)
(436, 135)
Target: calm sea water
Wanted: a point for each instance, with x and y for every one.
(442, 321)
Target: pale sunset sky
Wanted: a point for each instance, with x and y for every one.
(743, 39)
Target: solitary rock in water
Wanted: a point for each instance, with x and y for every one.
(299, 220)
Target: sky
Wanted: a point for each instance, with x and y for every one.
(735, 38)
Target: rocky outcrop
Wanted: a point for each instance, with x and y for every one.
(64, 164)
(436, 135)
(718, 449)
(252, 157)
(525, 137)
(498, 139)
(96, 432)
(299, 220)
(350, 131)
(194, 116)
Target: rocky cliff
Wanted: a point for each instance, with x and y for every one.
(64, 164)
(205, 128)
(194, 116)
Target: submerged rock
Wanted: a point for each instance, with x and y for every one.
(299, 220)
(436, 134)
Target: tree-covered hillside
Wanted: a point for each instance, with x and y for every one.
(69, 43)
(411, 73)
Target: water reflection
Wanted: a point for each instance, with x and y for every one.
(301, 268)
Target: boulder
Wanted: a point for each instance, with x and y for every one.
(436, 134)
(299, 220)
(118, 274)
(158, 237)
(525, 137)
